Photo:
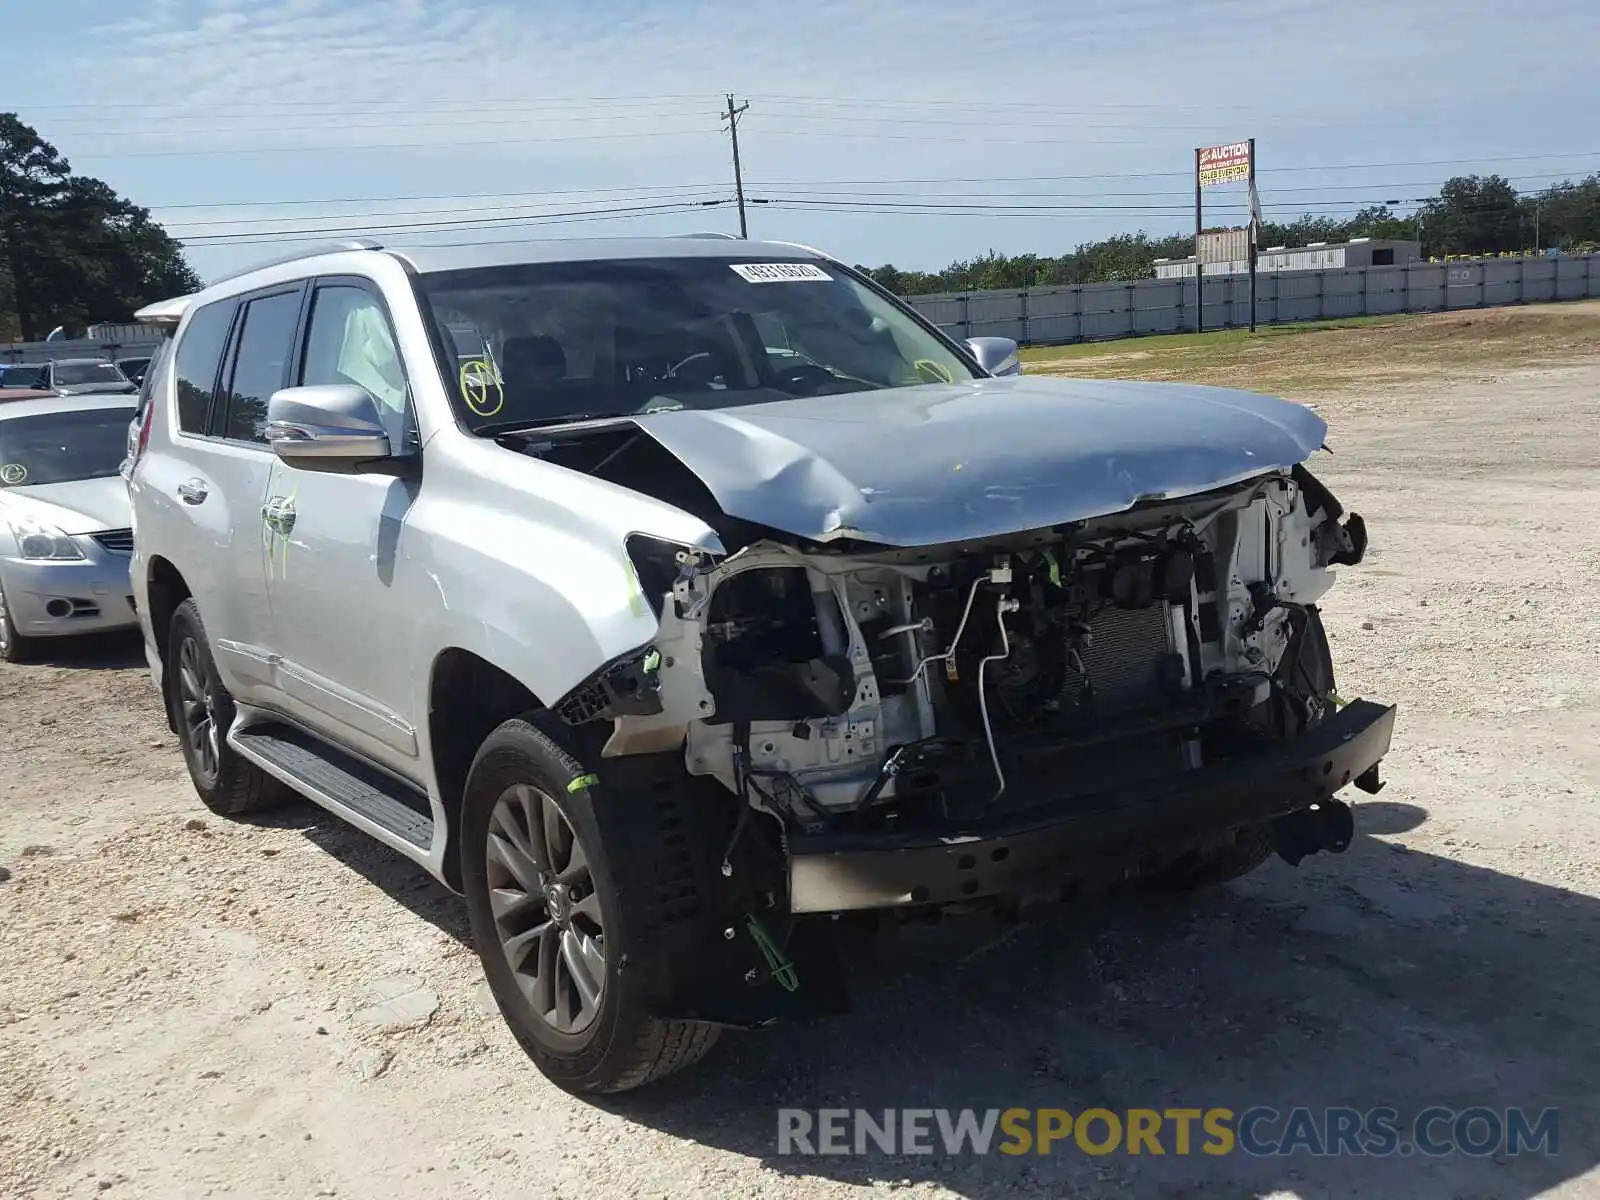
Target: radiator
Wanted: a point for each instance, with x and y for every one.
(1126, 664)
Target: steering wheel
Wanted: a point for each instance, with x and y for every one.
(803, 376)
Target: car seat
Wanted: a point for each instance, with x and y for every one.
(535, 370)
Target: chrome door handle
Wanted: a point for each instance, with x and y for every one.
(278, 513)
(193, 491)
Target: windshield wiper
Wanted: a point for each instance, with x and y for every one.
(502, 428)
(505, 427)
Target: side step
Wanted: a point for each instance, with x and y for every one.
(324, 772)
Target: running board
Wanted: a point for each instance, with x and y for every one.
(338, 780)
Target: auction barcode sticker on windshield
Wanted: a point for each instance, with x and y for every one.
(781, 273)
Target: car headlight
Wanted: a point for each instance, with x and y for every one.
(41, 542)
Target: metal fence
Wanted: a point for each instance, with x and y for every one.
(1095, 311)
(42, 352)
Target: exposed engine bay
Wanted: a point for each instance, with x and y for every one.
(872, 689)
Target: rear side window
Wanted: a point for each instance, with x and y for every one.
(260, 365)
(199, 355)
(151, 370)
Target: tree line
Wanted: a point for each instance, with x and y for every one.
(72, 251)
(1472, 214)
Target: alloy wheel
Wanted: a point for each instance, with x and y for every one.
(5, 626)
(198, 700)
(546, 911)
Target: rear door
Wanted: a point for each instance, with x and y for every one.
(179, 513)
(200, 495)
(258, 363)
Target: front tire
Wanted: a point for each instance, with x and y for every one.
(202, 711)
(14, 648)
(1250, 847)
(571, 957)
(1302, 688)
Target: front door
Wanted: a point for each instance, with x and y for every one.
(336, 552)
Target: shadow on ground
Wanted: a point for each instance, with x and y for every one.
(118, 651)
(1382, 977)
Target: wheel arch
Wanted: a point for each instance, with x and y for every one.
(468, 698)
(165, 590)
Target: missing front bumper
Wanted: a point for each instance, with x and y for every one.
(1051, 844)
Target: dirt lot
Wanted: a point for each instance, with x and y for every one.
(187, 1006)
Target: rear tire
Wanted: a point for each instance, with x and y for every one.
(559, 881)
(14, 648)
(202, 711)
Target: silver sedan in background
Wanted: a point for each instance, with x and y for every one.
(65, 527)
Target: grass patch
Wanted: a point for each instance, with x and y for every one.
(1169, 343)
(1322, 356)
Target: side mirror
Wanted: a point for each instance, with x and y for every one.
(998, 356)
(326, 427)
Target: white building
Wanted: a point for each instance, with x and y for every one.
(1318, 256)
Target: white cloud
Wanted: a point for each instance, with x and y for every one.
(469, 96)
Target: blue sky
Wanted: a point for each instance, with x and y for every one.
(243, 123)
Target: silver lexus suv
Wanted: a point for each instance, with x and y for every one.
(667, 598)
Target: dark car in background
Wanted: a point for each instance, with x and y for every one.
(22, 375)
(134, 368)
(87, 376)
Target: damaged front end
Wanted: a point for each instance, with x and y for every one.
(1012, 717)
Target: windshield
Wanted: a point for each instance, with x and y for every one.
(70, 374)
(61, 447)
(565, 341)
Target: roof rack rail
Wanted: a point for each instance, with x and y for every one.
(335, 247)
(823, 254)
(731, 237)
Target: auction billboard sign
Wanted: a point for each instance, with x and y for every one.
(1224, 164)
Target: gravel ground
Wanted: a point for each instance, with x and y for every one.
(192, 1007)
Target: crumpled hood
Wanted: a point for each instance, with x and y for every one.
(82, 506)
(948, 462)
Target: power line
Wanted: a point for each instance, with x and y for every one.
(334, 224)
(1189, 173)
(382, 121)
(1055, 195)
(803, 188)
(577, 220)
(475, 101)
(487, 212)
(447, 226)
(1289, 211)
(669, 187)
(452, 144)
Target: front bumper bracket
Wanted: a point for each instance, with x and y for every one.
(1089, 837)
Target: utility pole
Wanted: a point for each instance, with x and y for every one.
(732, 118)
(1255, 233)
(1199, 267)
